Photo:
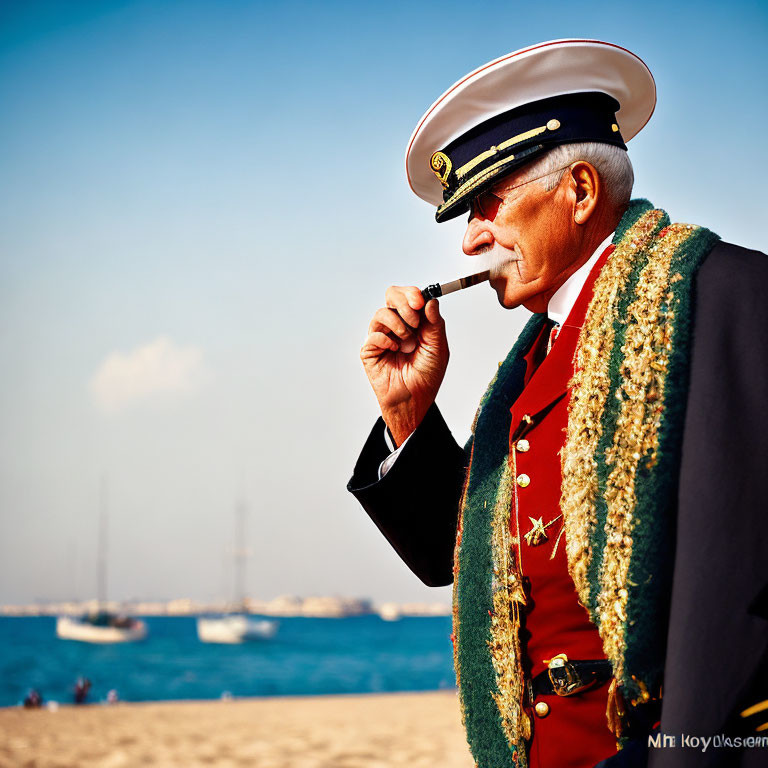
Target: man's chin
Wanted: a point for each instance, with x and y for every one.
(511, 297)
(499, 285)
(506, 303)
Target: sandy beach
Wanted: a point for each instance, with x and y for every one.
(418, 730)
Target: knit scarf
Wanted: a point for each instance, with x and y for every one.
(620, 465)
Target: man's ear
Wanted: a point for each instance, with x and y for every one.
(587, 187)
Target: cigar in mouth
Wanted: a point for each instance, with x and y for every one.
(443, 289)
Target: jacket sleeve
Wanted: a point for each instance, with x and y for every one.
(718, 628)
(415, 505)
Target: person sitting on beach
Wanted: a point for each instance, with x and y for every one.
(82, 686)
(33, 699)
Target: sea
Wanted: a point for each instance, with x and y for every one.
(361, 654)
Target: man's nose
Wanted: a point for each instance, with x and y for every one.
(477, 237)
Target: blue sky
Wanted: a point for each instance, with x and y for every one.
(211, 196)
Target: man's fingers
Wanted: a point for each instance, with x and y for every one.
(407, 301)
(394, 329)
(389, 321)
(432, 312)
(376, 343)
(433, 329)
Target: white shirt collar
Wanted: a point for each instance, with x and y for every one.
(561, 303)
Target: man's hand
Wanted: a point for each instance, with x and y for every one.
(405, 356)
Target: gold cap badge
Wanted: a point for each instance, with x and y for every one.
(441, 164)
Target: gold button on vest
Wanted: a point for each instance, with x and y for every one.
(523, 445)
(523, 480)
(542, 708)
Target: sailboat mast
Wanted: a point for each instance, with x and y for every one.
(101, 563)
(240, 554)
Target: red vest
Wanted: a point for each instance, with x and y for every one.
(574, 733)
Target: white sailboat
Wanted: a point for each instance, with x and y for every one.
(236, 627)
(101, 626)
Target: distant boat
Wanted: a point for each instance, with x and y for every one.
(101, 626)
(389, 612)
(236, 627)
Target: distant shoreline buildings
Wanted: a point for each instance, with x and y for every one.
(285, 605)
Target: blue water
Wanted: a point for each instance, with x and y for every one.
(307, 656)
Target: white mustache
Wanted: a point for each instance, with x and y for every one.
(496, 257)
(493, 260)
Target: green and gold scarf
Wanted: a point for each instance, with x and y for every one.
(620, 466)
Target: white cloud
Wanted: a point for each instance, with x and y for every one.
(157, 368)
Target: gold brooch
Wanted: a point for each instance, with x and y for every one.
(538, 533)
(441, 165)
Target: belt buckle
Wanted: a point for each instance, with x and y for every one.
(563, 675)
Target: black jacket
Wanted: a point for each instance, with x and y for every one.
(717, 643)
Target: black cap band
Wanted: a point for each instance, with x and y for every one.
(502, 144)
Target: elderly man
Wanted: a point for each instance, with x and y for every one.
(603, 526)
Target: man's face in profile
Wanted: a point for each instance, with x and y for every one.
(534, 226)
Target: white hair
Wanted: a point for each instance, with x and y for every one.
(612, 164)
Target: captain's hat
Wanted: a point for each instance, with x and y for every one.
(510, 111)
